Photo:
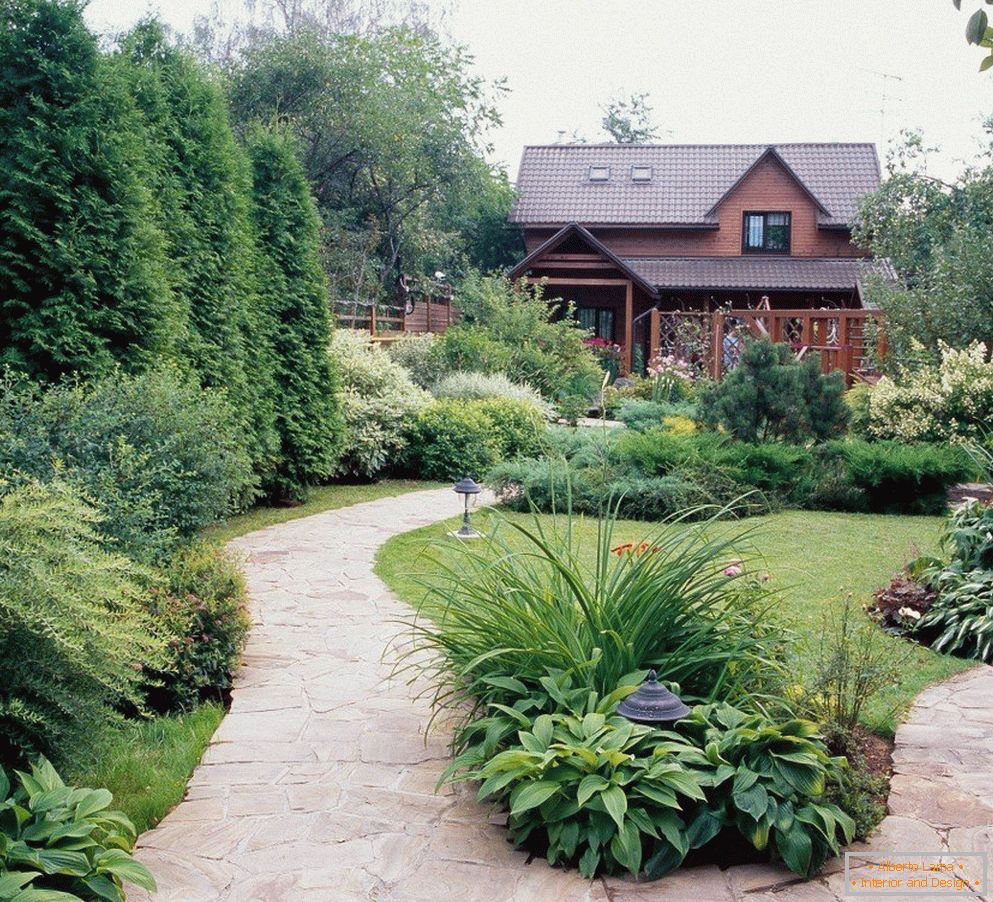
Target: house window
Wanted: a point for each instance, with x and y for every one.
(599, 173)
(641, 173)
(599, 320)
(766, 233)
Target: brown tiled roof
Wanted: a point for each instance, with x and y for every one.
(688, 180)
(757, 273)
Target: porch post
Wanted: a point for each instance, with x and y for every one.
(654, 325)
(628, 326)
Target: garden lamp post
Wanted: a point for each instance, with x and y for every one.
(466, 487)
(652, 704)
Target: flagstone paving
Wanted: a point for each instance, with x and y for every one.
(319, 783)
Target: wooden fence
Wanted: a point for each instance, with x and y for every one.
(388, 322)
(851, 341)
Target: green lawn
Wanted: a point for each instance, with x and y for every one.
(146, 764)
(814, 559)
(323, 498)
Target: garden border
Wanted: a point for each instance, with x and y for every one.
(319, 782)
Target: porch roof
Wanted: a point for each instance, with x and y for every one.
(758, 273)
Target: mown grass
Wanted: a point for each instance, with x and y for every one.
(146, 764)
(323, 498)
(814, 560)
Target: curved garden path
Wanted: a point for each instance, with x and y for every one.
(319, 784)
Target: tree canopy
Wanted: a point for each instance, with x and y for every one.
(939, 237)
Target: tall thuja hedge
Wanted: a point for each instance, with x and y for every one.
(82, 266)
(203, 178)
(295, 293)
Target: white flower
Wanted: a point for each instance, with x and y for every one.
(909, 614)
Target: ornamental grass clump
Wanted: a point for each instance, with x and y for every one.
(524, 604)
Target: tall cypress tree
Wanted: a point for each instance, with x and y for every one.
(203, 179)
(296, 297)
(82, 282)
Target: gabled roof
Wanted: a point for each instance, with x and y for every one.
(584, 235)
(688, 181)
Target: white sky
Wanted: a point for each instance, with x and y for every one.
(732, 71)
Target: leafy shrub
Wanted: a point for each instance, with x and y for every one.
(75, 635)
(161, 457)
(476, 386)
(768, 781)
(861, 794)
(519, 426)
(59, 843)
(953, 399)
(201, 605)
(771, 396)
(414, 354)
(378, 400)
(859, 399)
(451, 439)
(509, 609)
(894, 478)
(464, 347)
(515, 330)
(968, 535)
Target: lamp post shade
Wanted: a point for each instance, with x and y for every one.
(466, 487)
(652, 704)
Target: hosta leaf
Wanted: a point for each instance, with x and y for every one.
(662, 862)
(543, 728)
(588, 786)
(753, 801)
(805, 779)
(658, 794)
(12, 882)
(589, 862)
(626, 847)
(592, 723)
(57, 861)
(46, 775)
(703, 828)
(44, 895)
(532, 743)
(123, 866)
(673, 829)
(49, 799)
(4, 785)
(531, 795)
(94, 802)
(796, 848)
(569, 838)
(104, 888)
(616, 803)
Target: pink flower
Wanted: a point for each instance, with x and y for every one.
(734, 569)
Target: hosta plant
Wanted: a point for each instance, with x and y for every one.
(62, 844)
(960, 622)
(593, 788)
(768, 780)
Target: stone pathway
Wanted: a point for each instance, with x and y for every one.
(319, 784)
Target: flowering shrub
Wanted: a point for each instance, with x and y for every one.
(378, 400)
(901, 604)
(672, 378)
(953, 400)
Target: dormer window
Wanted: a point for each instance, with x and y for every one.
(599, 173)
(766, 233)
(641, 173)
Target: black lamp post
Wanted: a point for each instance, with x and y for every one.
(652, 704)
(466, 487)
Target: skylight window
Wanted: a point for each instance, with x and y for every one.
(599, 173)
(641, 173)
